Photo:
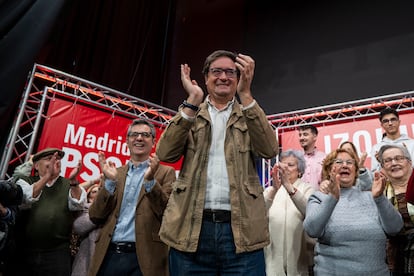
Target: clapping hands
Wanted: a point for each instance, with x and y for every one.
(154, 162)
(378, 185)
(108, 168)
(332, 185)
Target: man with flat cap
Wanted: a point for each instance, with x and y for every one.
(47, 215)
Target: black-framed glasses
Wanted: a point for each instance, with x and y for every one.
(135, 134)
(391, 120)
(230, 73)
(348, 162)
(397, 159)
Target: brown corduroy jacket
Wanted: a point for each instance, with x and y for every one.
(151, 251)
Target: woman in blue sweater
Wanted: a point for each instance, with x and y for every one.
(350, 225)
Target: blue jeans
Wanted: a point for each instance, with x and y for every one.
(216, 255)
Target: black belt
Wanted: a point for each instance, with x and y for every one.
(122, 247)
(217, 215)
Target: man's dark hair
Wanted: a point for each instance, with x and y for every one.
(388, 110)
(312, 128)
(142, 122)
(215, 55)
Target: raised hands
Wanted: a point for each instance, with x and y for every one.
(281, 176)
(194, 91)
(331, 186)
(108, 168)
(245, 64)
(52, 168)
(362, 159)
(378, 185)
(276, 183)
(75, 171)
(154, 162)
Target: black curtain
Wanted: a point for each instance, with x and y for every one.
(24, 26)
(120, 44)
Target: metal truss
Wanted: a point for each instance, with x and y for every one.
(46, 83)
(335, 113)
(341, 112)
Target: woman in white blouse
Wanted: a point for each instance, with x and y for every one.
(290, 251)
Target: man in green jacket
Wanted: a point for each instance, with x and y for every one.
(215, 221)
(44, 223)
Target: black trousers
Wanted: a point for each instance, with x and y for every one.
(120, 263)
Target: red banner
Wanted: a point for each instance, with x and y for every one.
(81, 132)
(363, 133)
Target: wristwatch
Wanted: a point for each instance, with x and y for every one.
(362, 170)
(190, 106)
(292, 193)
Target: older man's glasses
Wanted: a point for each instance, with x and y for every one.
(398, 159)
(136, 134)
(217, 72)
(391, 120)
(348, 162)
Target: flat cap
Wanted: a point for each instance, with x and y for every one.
(47, 152)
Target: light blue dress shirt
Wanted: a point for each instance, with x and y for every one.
(125, 225)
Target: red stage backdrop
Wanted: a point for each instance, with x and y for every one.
(363, 133)
(81, 132)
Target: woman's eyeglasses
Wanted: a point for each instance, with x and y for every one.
(398, 159)
(348, 162)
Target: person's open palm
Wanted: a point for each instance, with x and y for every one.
(51, 168)
(154, 162)
(75, 171)
(190, 86)
(378, 185)
(108, 168)
(276, 177)
(334, 186)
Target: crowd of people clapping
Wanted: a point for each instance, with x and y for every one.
(323, 214)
